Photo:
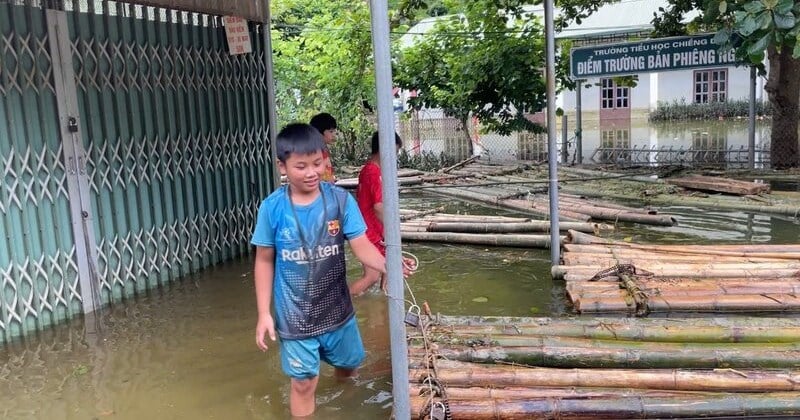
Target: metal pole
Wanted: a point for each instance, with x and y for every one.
(272, 113)
(550, 73)
(751, 128)
(564, 139)
(578, 124)
(391, 208)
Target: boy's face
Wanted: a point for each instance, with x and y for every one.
(303, 171)
(330, 135)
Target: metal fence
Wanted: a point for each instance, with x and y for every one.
(134, 151)
(444, 135)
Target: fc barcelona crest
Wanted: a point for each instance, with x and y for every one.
(333, 227)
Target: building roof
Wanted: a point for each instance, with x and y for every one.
(625, 16)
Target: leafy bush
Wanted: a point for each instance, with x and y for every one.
(426, 161)
(681, 110)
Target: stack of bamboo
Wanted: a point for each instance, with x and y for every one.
(485, 230)
(525, 368)
(570, 208)
(604, 276)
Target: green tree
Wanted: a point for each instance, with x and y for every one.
(486, 62)
(755, 29)
(323, 63)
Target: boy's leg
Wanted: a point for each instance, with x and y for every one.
(302, 397)
(300, 361)
(343, 349)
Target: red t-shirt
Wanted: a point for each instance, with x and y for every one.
(367, 195)
(327, 172)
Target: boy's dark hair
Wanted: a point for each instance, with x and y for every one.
(376, 147)
(298, 138)
(323, 121)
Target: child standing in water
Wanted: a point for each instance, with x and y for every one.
(300, 266)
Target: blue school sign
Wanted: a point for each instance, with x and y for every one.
(656, 55)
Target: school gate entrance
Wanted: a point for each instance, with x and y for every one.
(133, 150)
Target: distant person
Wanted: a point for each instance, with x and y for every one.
(326, 124)
(370, 201)
(300, 262)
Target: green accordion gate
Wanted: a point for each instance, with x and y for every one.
(134, 151)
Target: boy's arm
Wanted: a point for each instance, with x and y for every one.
(263, 274)
(366, 252)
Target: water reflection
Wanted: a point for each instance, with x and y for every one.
(626, 142)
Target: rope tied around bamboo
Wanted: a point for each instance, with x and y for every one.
(437, 406)
(627, 274)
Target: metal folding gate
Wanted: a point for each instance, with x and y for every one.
(134, 151)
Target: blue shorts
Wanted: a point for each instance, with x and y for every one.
(341, 348)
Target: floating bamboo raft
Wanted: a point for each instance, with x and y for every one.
(605, 276)
(485, 230)
(571, 207)
(529, 368)
(654, 191)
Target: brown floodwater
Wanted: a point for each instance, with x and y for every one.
(187, 351)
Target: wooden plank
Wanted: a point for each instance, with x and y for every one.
(717, 184)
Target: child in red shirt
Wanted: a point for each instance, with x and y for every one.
(326, 125)
(370, 202)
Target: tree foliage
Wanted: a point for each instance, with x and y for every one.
(323, 63)
(487, 62)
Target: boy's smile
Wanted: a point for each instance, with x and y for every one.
(303, 172)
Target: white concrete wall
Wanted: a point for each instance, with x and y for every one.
(664, 87)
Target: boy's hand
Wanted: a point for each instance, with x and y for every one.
(409, 266)
(266, 325)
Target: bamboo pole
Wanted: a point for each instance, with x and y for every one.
(708, 270)
(611, 258)
(531, 226)
(454, 373)
(521, 206)
(586, 290)
(510, 240)
(478, 393)
(716, 204)
(731, 322)
(612, 330)
(714, 303)
(621, 407)
(420, 214)
(564, 352)
(588, 243)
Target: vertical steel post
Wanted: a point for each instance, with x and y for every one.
(388, 153)
(564, 139)
(75, 159)
(552, 145)
(578, 124)
(751, 126)
(272, 112)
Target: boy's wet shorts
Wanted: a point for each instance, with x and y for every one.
(341, 348)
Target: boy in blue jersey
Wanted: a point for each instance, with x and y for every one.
(299, 238)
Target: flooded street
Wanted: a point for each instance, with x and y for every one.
(188, 351)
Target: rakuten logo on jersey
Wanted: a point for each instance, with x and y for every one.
(301, 256)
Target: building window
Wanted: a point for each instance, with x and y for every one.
(613, 96)
(710, 86)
